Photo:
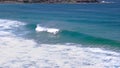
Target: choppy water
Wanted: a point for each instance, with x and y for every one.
(60, 35)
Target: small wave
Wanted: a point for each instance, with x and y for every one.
(77, 37)
(44, 29)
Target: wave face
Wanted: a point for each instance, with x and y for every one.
(17, 52)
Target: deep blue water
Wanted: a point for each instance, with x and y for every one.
(86, 25)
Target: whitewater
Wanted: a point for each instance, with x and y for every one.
(19, 52)
(49, 30)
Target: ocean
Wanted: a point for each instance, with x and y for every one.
(60, 35)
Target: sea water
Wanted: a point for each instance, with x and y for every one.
(60, 35)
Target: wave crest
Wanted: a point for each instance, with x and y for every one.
(44, 29)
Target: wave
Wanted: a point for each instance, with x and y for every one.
(88, 38)
(76, 37)
(17, 52)
(44, 29)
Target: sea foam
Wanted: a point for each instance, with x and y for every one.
(16, 52)
(9, 24)
(44, 29)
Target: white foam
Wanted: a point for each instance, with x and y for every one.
(49, 30)
(17, 52)
(21, 53)
(9, 24)
(5, 33)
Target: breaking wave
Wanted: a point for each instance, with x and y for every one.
(44, 29)
(76, 37)
(17, 52)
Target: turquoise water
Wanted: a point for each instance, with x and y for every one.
(71, 32)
